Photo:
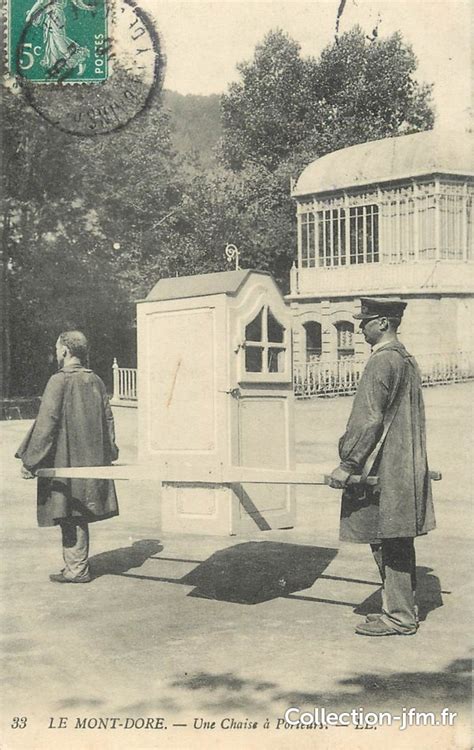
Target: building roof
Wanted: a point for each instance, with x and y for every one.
(201, 285)
(402, 157)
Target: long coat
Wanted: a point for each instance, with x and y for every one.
(74, 427)
(402, 505)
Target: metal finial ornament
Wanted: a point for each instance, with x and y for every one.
(232, 253)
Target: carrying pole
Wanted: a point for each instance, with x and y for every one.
(201, 475)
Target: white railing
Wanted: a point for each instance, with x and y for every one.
(440, 369)
(341, 377)
(332, 378)
(125, 383)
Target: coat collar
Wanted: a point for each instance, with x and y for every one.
(74, 368)
(394, 345)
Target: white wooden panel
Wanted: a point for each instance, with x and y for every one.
(263, 443)
(196, 510)
(181, 387)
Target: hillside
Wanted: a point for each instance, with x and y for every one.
(195, 123)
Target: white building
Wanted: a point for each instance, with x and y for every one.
(392, 217)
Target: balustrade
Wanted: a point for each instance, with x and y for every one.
(125, 383)
(333, 377)
(341, 377)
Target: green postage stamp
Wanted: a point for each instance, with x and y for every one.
(58, 40)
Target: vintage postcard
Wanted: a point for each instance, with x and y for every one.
(237, 364)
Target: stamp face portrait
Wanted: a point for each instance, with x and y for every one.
(51, 40)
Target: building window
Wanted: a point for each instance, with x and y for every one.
(313, 340)
(469, 232)
(345, 339)
(451, 208)
(407, 229)
(338, 236)
(331, 237)
(308, 247)
(427, 227)
(400, 229)
(265, 346)
(364, 234)
(422, 222)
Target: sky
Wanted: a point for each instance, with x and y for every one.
(205, 40)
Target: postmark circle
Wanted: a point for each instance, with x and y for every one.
(94, 69)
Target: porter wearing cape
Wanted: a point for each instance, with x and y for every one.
(402, 505)
(74, 427)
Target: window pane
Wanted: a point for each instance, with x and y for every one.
(308, 240)
(427, 212)
(304, 240)
(360, 235)
(320, 216)
(275, 330)
(276, 359)
(353, 236)
(331, 237)
(313, 339)
(345, 339)
(375, 236)
(342, 238)
(369, 233)
(327, 238)
(253, 359)
(363, 234)
(470, 233)
(335, 237)
(451, 220)
(253, 331)
(311, 242)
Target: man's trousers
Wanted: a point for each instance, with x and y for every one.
(75, 537)
(396, 562)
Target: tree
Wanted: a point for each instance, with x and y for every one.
(249, 208)
(264, 116)
(23, 149)
(64, 277)
(79, 219)
(284, 106)
(366, 91)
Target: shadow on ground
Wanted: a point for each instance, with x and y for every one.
(120, 560)
(254, 572)
(251, 572)
(429, 691)
(451, 686)
(225, 691)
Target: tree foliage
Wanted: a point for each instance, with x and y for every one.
(222, 206)
(358, 90)
(265, 114)
(79, 214)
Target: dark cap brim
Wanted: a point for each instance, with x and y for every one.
(361, 316)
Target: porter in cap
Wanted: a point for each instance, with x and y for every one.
(385, 436)
(380, 307)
